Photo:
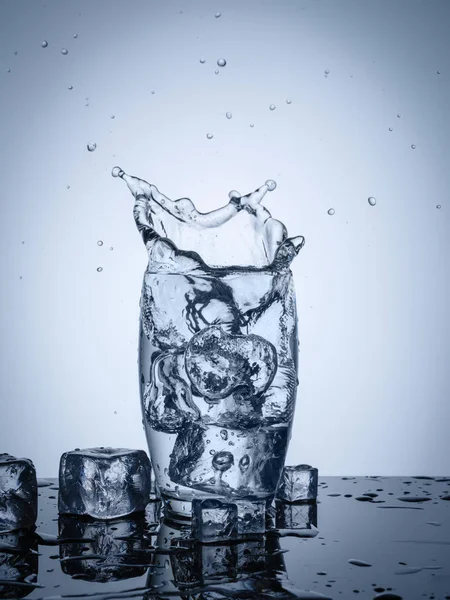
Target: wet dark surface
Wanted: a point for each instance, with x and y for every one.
(377, 537)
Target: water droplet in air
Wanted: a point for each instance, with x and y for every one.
(44, 44)
(153, 92)
(209, 136)
(271, 184)
(115, 412)
(216, 71)
(8, 70)
(116, 172)
(92, 146)
(86, 103)
(99, 269)
(372, 201)
(202, 60)
(70, 87)
(75, 35)
(113, 116)
(331, 211)
(67, 187)
(413, 146)
(438, 72)
(391, 129)
(229, 115)
(64, 51)
(217, 15)
(252, 124)
(221, 62)
(438, 206)
(288, 101)
(20, 277)
(99, 243)
(272, 107)
(398, 116)
(327, 73)
(111, 248)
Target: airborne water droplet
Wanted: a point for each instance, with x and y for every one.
(113, 116)
(116, 172)
(217, 15)
(331, 211)
(99, 243)
(372, 201)
(438, 206)
(271, 184)
(202, 60)
(216, 71)
(64, 51)
(92, 146)
(67, 187)
(209, 136)
(70, 87)
(44, 44)
(75, 35)
(391, 129)
(252, 124)
(99, 269)
(413, 146)
(221, 62)
(272, 107)
(111, 248)
(288, 101)
(327, 72)
(229, 115)
(398, 116)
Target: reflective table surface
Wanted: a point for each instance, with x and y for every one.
(367, 537)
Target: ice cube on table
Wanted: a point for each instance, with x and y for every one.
(251, 516)
(298, 483)
(295, 516)
(104, 483)
(18, 493)
(214, 520)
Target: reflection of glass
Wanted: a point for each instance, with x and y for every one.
(218, 344)
(229, 570)
(18, 563)
(107, 550)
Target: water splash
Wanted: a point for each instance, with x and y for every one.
(242, 234)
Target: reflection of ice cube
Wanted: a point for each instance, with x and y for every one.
(214, 520)
(167, 400)
(104, 483)
(252, 555)
(251, 516)
(295, 516)
(18, 563)
(119, 543)
(254, 457)
(219, 363)
(218, 561)
(153, 512)
(18, 493)
(298, 483)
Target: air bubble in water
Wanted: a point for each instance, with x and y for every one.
(229, 115)
(272, 107)
(372, 201)
(438, 206)
(99, 243)
(44, 43)
(70, 87)
(64, 51)
(116, 172)
(202, 60)
(92, 146)
(209, 136)
(413, 146)
(221, 62)
(331, 211)
(217, 15)
(288, 101)
(99, 269)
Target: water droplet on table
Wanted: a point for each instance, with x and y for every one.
(209, 136)
(288, 101)
(252, 124)
(91, 146)
(202, 60)
(272, 107)
(218, 14)
(70, 87)
(99, 243)
(391, 129)
(372, 201)
(64, 51)
(99, 269)
(331, 211)
(221, 62)
(438, 206)
(44, 44)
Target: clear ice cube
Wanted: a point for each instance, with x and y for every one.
(298, 483)
(104, 483)
(18, 493)
(251, 516)
(214, 520)
(295, 516)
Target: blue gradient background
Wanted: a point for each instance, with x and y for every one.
(372, 282)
